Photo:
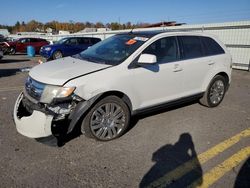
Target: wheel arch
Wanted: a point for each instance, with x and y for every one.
(84, 106)
(208, 79)
(119, 94)
(225, 75)
(56, 50)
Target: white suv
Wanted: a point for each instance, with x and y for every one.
(123, 75)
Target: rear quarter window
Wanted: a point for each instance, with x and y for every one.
(211, 47)
(95, 40)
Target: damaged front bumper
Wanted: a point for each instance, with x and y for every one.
(37, 120)
(35, 125)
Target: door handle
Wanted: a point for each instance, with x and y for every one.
(177, 68)
(211, 62)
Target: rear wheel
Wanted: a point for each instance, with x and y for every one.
(107, 120)
(215, 92)
(57, 55)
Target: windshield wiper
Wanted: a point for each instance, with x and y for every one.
(91, 59)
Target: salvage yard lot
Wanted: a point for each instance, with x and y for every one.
(181, 146)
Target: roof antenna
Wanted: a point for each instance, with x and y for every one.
(131, 32)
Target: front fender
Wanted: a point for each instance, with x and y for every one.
(80, 110)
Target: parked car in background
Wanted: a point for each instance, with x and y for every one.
(126, 74)
(67, 47)
(4, 44)
(21, 44)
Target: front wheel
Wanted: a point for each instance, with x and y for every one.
(107, 120)
(215, 92)
(12, 51)
(57, 55)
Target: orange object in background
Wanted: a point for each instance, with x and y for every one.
(131, 41)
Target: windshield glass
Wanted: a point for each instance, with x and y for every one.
(113, 50)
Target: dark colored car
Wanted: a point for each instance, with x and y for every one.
(67, 47)
(21, 44)
(1, 53)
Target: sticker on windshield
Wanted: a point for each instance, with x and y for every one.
(131, 41)
(144, 39)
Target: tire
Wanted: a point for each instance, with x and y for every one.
(215, 92)
(12, 51)
(57, 55)
(108, 119)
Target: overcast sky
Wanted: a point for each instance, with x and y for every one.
(187, 11)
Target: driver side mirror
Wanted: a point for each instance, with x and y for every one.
(147, 59)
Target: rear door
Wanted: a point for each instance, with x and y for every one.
(36, 43)
(194, 63)
(84, 43)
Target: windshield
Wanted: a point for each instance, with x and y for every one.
(113, 50)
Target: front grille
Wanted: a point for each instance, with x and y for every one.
(34, 88)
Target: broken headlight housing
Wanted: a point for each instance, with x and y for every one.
(51, 92)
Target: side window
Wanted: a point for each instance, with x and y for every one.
(211, 46)
(34, 40)
(84, 40)
(164, 49)
(72, 41)
(191, 47)
(94, 40)
(25, 40)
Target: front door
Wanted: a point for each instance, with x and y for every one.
(71, 47)
(160, 82)
(22, 45)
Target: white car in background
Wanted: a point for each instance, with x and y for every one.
(123, 75)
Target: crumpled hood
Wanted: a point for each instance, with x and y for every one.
(59, 71)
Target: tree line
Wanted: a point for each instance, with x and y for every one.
(35, 26)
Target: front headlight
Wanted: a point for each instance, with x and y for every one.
(47, 48)
(50, 92)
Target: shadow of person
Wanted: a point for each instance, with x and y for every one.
(176, 165)
(243, 178)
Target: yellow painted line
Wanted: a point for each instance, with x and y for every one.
(11, 89)
(203, 157)
(220, 170)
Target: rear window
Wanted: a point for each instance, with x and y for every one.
(191, 47)
(94, 40)
(211, 47)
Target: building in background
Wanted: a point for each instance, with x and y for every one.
(4, 32)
